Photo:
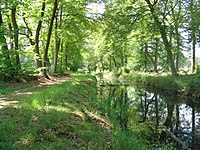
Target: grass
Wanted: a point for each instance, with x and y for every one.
(17, 83)
(6, 87)
(54, 118)
(67, 116)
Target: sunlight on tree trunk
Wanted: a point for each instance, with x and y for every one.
(48, 38)
(16, 37)
(4, 43)
(37, 35)
(57, 39)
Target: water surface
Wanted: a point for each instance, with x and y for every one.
(147, 112)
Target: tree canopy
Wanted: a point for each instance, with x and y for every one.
(54, 36)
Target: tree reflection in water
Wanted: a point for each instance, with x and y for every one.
(137, 109)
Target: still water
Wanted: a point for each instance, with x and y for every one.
(150, 113)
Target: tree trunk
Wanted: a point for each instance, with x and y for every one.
(193, 50)
(110, 63)
(29, 33)
(170, 110)
(49, 37)
(145, 56)
(16, 37)
(194, 40)
(61, 51)
(57, 46)
(156, 56)
(154, 59)
(11, 35)
(177, 34)
(4, 44)
(65, 59)
(165, 40)
(122, 58)
(125, 60)
(177, 47)
(37, 35)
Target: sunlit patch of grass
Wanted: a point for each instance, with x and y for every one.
(54, 118)
(35, 104)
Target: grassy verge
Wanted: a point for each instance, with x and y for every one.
(65, 116)
(59, 117)
(185, 86)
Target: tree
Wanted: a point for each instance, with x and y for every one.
(193, 26)
(3, 43)
(49, 37)
(37, 34)
(16, 35)
(164, 37)
(138, 35)
(57, 39)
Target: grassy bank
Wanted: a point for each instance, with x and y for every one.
(65, 116)
(59, 117)
(184, 86)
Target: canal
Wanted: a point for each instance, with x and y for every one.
(151, 114)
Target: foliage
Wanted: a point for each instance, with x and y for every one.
(97, 35)
(71, 28)
(185, 86)
(198, 70)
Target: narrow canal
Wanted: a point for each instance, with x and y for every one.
(152, 115)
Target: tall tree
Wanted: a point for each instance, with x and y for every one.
(37, 35)
(3, 42)
(193, 33)
(57, 39)
(177, 17)
(49, 37)
(164, 37)
(16, 35)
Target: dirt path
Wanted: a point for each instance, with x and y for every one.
(10, 99)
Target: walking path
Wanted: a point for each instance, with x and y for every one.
(10, 99)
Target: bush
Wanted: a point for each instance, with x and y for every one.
(125, 70)
(198, 69)
(116, 72)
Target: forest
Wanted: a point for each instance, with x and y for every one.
(47, 37)
(99, 74)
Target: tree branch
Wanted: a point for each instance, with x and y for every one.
(29, 34)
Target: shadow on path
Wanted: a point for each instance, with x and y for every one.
(10, 99)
